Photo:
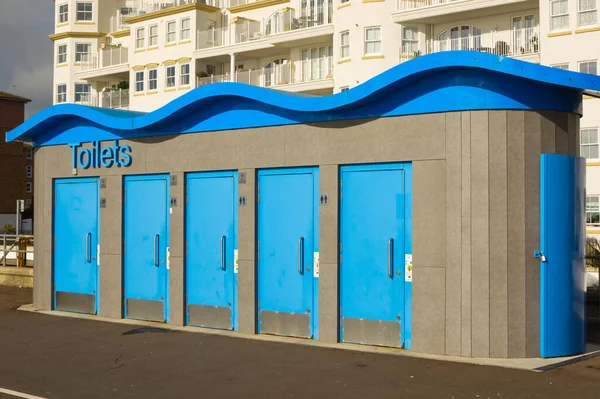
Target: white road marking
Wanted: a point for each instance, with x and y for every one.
(19, 394)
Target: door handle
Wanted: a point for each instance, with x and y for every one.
(223, 243)
(155, 249)
(301, 255)
(391, 258)
(88, 237)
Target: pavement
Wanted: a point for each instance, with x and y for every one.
(43, 356)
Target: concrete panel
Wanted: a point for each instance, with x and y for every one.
(466, 234)
(429, 210)
(329, 318)
(247, 217)
(498, 234)
(561, 120)
(45, 239)
(573, 132)
(44, 301)
(177, 234)
(409, 138)
(111, 217)
(480, 235)
(40, 225)
(516, 232)
(532, 231)
(57, 161)
(247, 297)
(453, 233)
(429, 333)
(111, 286)
(177, 292)
(548, 131)
(220, 150)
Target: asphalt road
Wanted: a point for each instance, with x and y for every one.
(65, 358)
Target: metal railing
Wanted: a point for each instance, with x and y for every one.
(511, 43)
(16, 250)
(110, 56)
(115, 99)
(405, 5)
(278, 75)
(138, 7)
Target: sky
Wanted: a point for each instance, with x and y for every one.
(26, 52)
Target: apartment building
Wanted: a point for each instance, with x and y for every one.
(141, 54)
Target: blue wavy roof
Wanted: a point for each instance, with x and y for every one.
(447, 81)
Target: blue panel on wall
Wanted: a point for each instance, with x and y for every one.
(563, 238)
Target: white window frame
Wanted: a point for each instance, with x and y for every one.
(85, 12)
(30, 153)
(79, 55)
(153, 38)
(585, 147)
(61, 94)
(174, 32)
(79, 93)
(29, 171)
(63, 16)
(561, 66)
(366, 42)
(559, 15)
(153, 81)
(170, 80)
(184, 33)
(28, 187)
(587, 62)
(28, 202)
(345, 48)
(590, 210)
(184, 78)
(140, 40)
(344, 88)
(59, 55)
(580, 12)
(139, 81)
(344, 1)
(412, 42)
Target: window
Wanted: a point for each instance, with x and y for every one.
(590, 67)
(410, 40)
(153, 36)
(465, 37)
(28, 187)
(139, 81)
(62, 54)
(61, 93)
(344, 1)
(29, 171)
(171, 76)
(84, 11)
(185, 29)
(139, 38)
(559, 14)
(152, 79)
(82, 92)
(592, 209)
(30, 153)
(588, 12)
(589, 143)
(28, 203)
(564, 67)
(63, 13)
(345, 44)
(373, 40)
(82, 52)
(345, 88)
(184, 76)
(211, 70)
(171, 32)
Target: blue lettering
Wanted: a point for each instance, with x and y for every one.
(107, 157)
(85, 158)
(125, 155)
(74, 154)
(98, 157)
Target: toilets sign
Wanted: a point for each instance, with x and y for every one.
(100, 157)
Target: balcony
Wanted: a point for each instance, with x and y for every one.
(438, 11)
(109, 61)
(115, 99)
(140, 7)
(296, 76)
(519, 43)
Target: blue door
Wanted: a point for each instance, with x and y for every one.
(210, 242)
(286, 246)
(562, 274)
(145, 247)
(373, 245)
(76, 239)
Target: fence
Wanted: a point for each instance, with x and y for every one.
(16, 250)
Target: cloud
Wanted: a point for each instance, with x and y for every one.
(26, 66)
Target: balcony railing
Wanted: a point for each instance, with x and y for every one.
(108, 99)
(111, 56)
(139, 7)
(278, 75)
(405, 5)
(279, 22)
(513, 43)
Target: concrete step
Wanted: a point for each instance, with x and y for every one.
(16, 276)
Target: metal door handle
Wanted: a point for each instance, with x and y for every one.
(155, 247)
(391, 258)
(88, 237)
(223, 238)
(301, 255)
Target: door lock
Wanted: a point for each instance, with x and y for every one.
(538, 254)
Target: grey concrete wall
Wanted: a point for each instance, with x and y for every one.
(475, 216)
